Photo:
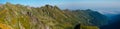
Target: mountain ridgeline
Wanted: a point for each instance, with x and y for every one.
(48, 17)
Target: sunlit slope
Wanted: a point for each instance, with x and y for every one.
(89, 27)
(4, 26)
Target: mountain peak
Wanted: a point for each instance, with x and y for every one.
(8, 3)
(0, 5)
(48, 6)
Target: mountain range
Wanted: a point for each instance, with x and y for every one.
(18, 16)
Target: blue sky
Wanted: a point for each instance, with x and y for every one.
(102, 6)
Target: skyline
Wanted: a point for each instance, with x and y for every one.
(102, 6)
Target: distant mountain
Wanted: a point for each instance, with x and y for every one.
(114, 25)
(117, 17)
(47, 17)
(93, 17)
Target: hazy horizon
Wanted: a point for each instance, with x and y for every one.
(102, 6)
